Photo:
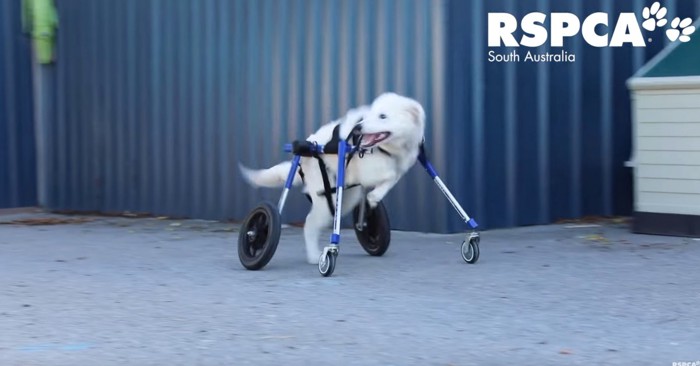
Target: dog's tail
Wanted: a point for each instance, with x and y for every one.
(273, 177)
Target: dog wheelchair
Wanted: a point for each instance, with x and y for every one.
(260, 231)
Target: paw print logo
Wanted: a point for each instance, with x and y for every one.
(654, 16)
(680, 30)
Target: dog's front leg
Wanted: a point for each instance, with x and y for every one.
(379, 191)
(318, 219)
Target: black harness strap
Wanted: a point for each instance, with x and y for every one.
(384, 151)
(326, 184)
(309, 148)
(328, 190)
(301, 174)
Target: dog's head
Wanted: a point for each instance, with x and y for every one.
(392, 121)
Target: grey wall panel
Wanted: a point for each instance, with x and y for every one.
(17, 147)
(157, 101)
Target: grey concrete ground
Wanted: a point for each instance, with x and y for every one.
(116, 291)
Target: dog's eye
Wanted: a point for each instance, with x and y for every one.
(382, 116)
(360, 120)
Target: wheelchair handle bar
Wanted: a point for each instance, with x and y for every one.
(309, 148)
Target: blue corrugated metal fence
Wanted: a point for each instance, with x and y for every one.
(17, 149)
(158, 100)
(543, 141)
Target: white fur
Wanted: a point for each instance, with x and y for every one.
(376, 172)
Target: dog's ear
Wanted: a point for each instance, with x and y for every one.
(416, 111)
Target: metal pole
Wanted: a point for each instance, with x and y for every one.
(342, 149)
(42, 117)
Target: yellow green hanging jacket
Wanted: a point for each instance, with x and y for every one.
(40, 20)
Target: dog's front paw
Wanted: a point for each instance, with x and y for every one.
(372, 201)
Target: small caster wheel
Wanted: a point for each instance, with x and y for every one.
(259, 236)
(470, 249)
(326, 264)
(374, 234)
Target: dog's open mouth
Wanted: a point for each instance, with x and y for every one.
(371, 139)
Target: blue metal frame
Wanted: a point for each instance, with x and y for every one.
(344, 148)
(422, 157)
(289, 182)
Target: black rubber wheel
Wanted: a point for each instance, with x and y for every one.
(470, 250)
(327, 266)
(259, 236)
(376, 235)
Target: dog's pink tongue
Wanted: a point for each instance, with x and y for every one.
(369, 139)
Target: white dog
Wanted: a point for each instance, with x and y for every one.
(392, 129)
